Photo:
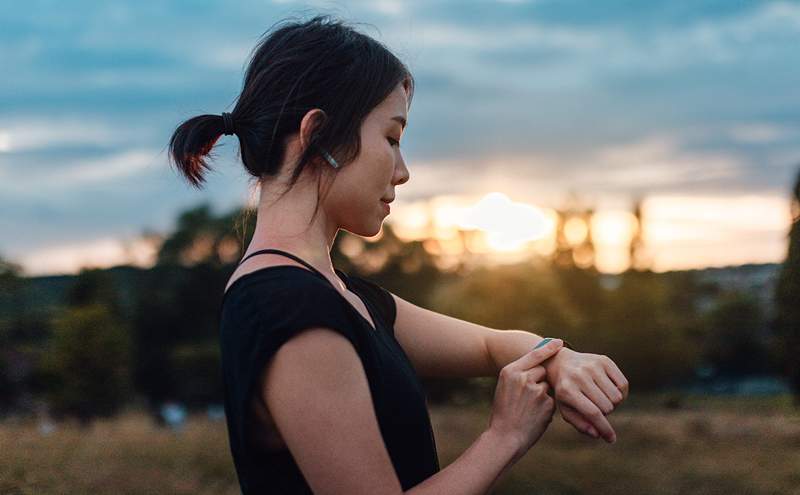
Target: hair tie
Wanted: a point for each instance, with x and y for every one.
(228, 119)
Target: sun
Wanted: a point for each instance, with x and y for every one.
(507, 225)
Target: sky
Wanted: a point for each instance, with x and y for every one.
(692, 105)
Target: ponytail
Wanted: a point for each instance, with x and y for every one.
(191, 142)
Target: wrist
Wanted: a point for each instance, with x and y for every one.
(557, 357)
(545, 340)
(503, 445)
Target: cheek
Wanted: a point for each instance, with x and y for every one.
(387, 163)
(380, 165)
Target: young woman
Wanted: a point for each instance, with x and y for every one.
(321, 369)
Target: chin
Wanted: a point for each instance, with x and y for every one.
(364, 230)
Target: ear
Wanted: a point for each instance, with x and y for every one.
(310, 122)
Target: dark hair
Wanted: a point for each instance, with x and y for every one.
(301, 65)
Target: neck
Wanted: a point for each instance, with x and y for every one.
(284, 224)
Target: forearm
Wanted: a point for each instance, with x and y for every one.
(475, 471)
(506, 346)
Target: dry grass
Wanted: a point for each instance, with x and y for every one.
(126, 455)
(714, 446)
(744, 446)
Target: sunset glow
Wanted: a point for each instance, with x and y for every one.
(679, 232)
(101, 253)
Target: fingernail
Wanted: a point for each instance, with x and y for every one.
(543, 342)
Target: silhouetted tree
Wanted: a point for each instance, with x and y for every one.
(177, 307)
(734, 344)
(201, 237)
(94, 286)
(10, 299)
(87, 363)
(197, 373)
(23, 331)
(787, 301)
(637, 247)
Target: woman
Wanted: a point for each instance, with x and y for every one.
(321, 369)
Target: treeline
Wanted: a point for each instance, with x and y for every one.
(88, 345)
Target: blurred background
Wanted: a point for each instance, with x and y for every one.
(625, 175)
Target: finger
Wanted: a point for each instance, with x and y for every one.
(574, 418)
(536, 356)
(608, 388)
(619, 379)
(593, 392)
(590, 411)
(537, 373)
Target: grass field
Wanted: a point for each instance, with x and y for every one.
(707, 446)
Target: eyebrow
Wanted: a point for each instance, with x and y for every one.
(400, 119)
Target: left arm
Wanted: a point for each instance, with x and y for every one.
(582, 382)
(457, 348)
(442, 346)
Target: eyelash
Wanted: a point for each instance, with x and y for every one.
(394, 142)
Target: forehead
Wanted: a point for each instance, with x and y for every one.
(396, 103)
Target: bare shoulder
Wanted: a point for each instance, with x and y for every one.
(317, 392)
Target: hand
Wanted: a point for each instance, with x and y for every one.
(587, 387)
(522, 409)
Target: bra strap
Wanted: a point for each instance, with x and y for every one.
(289, 255)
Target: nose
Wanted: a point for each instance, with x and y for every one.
(401, 173)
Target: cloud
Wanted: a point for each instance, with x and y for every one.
(29, 134)
(116, 166)
(655, 163)
(532, 54)
(526, 33)
(761, 132)
(78, 173)
(386, 7)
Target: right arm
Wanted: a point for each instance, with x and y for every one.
(318, 394)
(475, 471)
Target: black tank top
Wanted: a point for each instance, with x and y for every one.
(263, 309)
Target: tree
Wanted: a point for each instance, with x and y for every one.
(200, 237)
(735, 343)
(87, 362)
(787, 301)
(176, 308)
(94, 285)
(10, 298)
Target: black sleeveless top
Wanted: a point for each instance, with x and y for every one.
(263, 309)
